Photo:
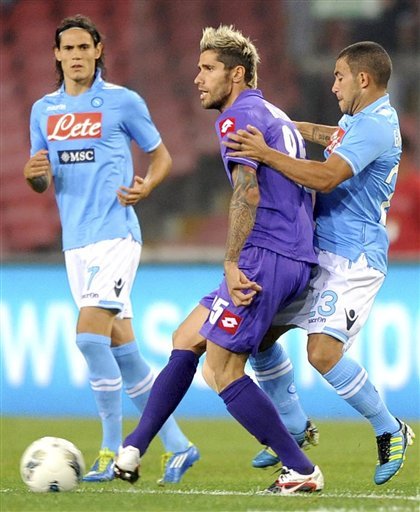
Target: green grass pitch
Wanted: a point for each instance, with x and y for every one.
(223, 480)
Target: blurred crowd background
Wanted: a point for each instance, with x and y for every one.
(152, 46)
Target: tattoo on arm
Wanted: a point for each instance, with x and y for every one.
(242, 211)
(321, 135)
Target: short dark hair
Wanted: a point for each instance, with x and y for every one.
(370, 57)
(78, 21)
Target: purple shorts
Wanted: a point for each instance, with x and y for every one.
(241, 329)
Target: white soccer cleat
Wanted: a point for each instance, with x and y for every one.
(290, 482)
(127, 464)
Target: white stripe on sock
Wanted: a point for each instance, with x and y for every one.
(354, 386)
(275, 372)
(141, 387)
(106, 384)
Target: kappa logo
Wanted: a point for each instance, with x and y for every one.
(335, 140)
(83, 125)
(350, 318)
(229, 322)
(227, 125)
(119, 285)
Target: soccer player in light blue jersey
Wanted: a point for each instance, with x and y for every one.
(354, 188)
(80, 141)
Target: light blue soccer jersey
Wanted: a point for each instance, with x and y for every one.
(88, 138)
(351, 219)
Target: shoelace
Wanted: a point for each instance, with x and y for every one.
(384, 445)
(104, 459)
(283, 473)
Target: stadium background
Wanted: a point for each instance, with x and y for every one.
(152, 47)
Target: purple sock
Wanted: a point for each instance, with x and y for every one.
(168, 390)
(249, 405)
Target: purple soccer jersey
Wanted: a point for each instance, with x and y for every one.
(279, 252)
(284, 221)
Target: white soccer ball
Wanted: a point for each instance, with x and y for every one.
(52, 464)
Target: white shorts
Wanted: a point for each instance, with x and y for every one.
(102, 274)
(337, 300)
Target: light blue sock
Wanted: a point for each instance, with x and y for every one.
(351, 382)
(274, 373)
(138, 379)
(105, 381)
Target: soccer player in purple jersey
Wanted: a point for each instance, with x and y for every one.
(354, 187)
(269, 255)
(80, 139)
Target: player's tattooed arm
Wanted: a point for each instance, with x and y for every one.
(317, 133)
(242, 211)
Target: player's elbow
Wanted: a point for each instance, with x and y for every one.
(326, 187)
(253, 197)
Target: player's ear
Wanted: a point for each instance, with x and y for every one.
(238, 74)
(364, 79)
(99, 49)
(57, 54)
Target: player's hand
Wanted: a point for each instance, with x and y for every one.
(249, 143)
(37, 171)
(38, 165)
(129, 196)
(241, 290)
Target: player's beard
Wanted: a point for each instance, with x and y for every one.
(219, 99)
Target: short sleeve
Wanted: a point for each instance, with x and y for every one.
(364, 142)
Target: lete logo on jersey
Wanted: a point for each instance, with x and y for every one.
(83, 125)
(227, 125)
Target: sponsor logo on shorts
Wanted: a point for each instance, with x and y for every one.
(76, 156)
(229, 322)
(227, 125)
(119, 285)
(317, 320)
(351, 317)
(90, 296)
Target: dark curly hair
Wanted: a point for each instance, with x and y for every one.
(78, 21)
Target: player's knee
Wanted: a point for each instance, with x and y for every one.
(324, 352)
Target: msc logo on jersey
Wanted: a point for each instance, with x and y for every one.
(83, 125)
(229, 322)
(227, 125)
(335, 140)
(76, 156)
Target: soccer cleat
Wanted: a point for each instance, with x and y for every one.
(290, 482)
(102, 469)
(265, 459)
(174, 465)
(391, 452)
(127, 464)
(309, 437)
